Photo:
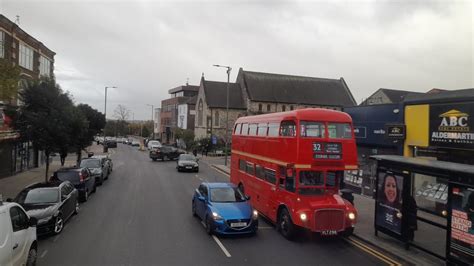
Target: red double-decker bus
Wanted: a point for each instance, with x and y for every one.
(291, 164)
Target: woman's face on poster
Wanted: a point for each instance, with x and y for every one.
(390, 189)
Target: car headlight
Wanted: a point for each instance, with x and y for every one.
(255, 214)
(45, 220)
(303, 217)
(351, 216)
(216, 216)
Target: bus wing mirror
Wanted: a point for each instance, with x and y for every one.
(247, 197)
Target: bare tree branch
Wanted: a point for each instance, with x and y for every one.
(121, 112)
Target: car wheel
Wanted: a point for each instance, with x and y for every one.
(241, 188)
(285, 225)
(154, 159)
(76, 209)
(194, 209)
(208, 226)
(86, 196)
(95, 188)
(101, 180)
(58, 225)
(32, 256)
(197, 170)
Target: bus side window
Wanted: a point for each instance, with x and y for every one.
(237, 129)
(250, 169)
(288, 129)
(242, 164)
(281, 179)
(259, 172)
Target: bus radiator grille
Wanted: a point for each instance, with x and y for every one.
(329, 219)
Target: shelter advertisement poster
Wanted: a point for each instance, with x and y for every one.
(389, 201)
(462, 224)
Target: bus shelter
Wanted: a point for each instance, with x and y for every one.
(427, 204)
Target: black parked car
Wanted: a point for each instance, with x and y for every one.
(165, 152)
(110, 143)
(187, 162)
(51, 203)
(80, 177)
(98, 169)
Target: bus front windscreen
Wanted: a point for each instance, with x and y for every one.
(311, 183)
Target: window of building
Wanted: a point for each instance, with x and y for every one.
(288, 129)
(268, 108)
(262, 129)
(26, 57)
(216, 119)
(237, 129)
(45, 66)
(291, 107)
(260, 107)
(200, 116)
(283, 108)
(273, 129)
(245, 129)
(2, 44)
(253, 130)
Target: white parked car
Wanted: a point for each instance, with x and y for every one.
(153, 144)
(18, 245)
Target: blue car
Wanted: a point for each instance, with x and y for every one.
(224, 209)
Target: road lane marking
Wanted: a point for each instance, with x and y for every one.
(218, 243)
(44, 253)
(373, 252)
(221, 246)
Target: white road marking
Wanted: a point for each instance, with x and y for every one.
(44, 254)
(218, 243)
(221, 246)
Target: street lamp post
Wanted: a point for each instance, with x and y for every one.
(227, 111)
(152, 121)
(105, 111)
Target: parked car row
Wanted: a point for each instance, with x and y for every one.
(43, 208)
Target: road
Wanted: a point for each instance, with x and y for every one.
(142, 216)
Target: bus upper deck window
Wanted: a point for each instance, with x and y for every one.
(288, 129)
(312, 129)
(339, 130)
(237, 129)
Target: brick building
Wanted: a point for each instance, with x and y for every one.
(34, 59)
(259, 93)
(169, 110)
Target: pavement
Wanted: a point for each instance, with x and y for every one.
(142, 216)
(429, 236)
(12, 185)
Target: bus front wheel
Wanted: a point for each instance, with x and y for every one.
(241, 188)
(285, 225)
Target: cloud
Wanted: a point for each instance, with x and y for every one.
(146, 48)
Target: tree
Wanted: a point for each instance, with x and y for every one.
(186, 135)
(121, 112)
(43, 118)
(9, 79)
(92, 121)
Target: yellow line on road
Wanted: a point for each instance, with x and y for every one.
(373, 252)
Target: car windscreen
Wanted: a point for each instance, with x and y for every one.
(187, 157)
(91, 163)
(72, 176)
(39, 195)
(154, 142)
(226, 195)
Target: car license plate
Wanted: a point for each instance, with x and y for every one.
(189, 167)
(329, 232)
(238, 224)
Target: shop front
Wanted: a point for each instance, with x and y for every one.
(372, 125)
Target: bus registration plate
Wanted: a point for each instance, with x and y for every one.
(329, 232)
(242, 224)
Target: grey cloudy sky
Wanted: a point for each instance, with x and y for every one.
(146, 48)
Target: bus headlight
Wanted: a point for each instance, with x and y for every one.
(351, 216)
(255, 214)
(303, 217)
